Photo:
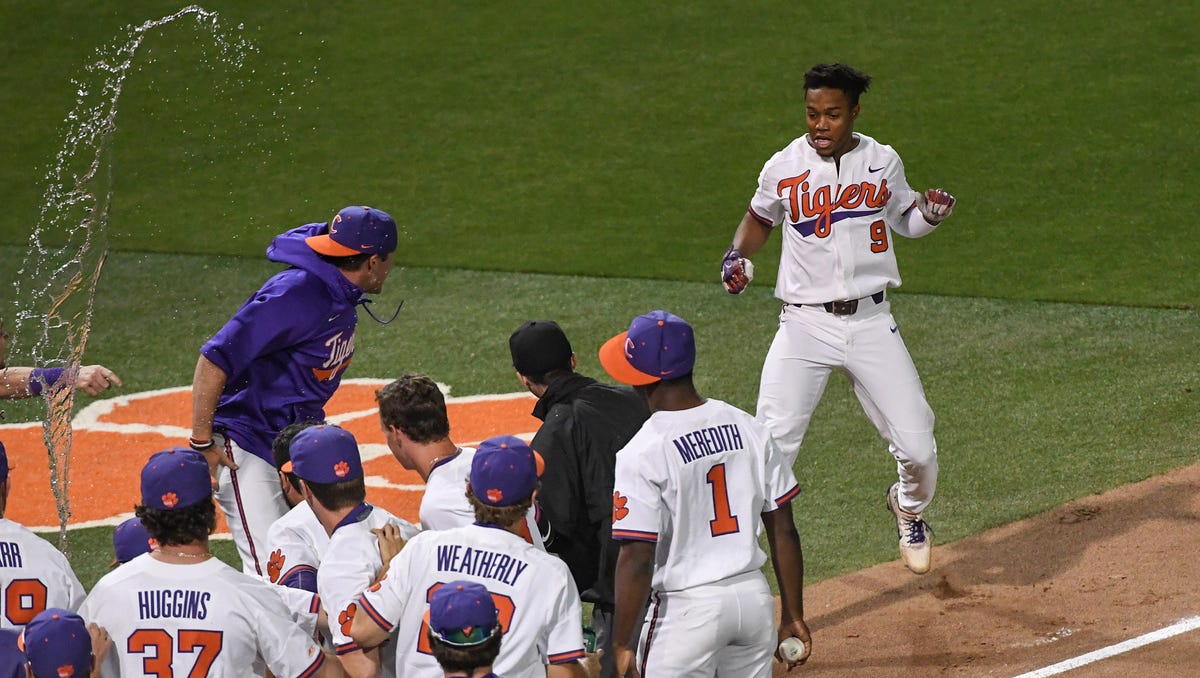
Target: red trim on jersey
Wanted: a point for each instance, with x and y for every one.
(634, 535)
(564, 657)
(788, 496)
(237, 497)
(760, 219)
(650, 632)
(316, 666)
(346, 649)
(314, 606)
(374, 614)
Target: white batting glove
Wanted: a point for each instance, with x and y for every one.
(935, 205)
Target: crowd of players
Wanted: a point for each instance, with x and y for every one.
(643, 500)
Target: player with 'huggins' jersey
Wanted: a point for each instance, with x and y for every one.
(838, 196)
(533, 590)
(694, 488)
(280, 358)
(178, 610)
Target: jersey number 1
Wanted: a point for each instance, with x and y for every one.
(723, 522)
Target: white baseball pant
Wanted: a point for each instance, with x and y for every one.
(726, 628)
(251, 500)
(867, 347)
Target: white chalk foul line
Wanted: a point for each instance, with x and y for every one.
(1181, 626)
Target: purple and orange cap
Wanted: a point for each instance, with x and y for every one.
(356, 230)
(657, 346)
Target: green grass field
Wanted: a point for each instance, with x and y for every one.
(588, 162)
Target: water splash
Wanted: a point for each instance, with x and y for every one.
(56, 283)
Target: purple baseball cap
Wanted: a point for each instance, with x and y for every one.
(462, 613)
(505, 470)
(324, 454)
(131, 540)
(357, 230)
(56, 643)
(175, 479)
(657, 346)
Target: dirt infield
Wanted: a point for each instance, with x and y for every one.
(1084, 576)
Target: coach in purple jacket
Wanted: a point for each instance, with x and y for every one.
(280, 358)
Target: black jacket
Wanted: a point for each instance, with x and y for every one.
(585, 424)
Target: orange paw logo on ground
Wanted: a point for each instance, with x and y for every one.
(113, 437)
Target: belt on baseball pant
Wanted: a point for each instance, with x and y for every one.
(845, 307)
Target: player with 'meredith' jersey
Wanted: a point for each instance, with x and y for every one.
(694, 488)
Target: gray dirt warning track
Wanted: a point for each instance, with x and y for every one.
(1084, 576)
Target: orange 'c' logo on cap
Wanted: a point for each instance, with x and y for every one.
(340, 469)
(170, 500)
(495, 496)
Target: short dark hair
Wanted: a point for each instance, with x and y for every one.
(344, 494)
(180, 526)
(465, 659)
(838, 76)
(281, 448)
(353, 262)
(500, 515)
(414, 404)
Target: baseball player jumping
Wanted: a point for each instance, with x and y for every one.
(694, 488)
(840, 196)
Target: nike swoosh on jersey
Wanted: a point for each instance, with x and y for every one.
(875, 169)
(807, 228)
(893, 330)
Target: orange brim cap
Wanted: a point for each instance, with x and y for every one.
(616, 363)
(323, 244)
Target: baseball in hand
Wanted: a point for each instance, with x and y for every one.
(791, 649)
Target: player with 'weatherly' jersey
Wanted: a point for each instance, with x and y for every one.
(326, 460)
(838, 196)
(180, 611)
(533, 590)
(693, 489)
(33, 574)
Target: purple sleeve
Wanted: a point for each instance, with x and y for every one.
(284, 312)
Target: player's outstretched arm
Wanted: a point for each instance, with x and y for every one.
(635, 567)
(787, 558)
(26, 382)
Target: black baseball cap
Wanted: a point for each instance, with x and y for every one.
(538, 347)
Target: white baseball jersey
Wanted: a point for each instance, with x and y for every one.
(33, 576)
(534, 593)
(445, 504)
(296, 542)
(696, 482)
(837, 244)
(202, 619)
(349, 566)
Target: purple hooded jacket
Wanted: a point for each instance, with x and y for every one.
(284, 351)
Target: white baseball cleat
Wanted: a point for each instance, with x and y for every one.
(915, 534)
